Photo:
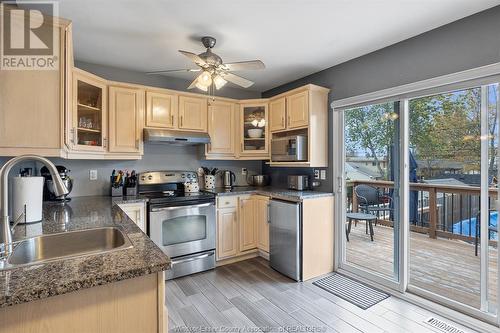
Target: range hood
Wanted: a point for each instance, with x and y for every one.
(175, 137)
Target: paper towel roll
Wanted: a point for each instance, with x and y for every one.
(27, 191)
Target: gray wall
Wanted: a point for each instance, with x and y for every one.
(124, 75)
(468, 43)
(156, 157)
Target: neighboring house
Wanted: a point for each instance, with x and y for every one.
(432, 169)
(368, 166)
(353, 173)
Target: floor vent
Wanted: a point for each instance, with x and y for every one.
(351, 290)
(443, 326)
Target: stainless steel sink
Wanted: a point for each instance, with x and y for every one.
(68, 244)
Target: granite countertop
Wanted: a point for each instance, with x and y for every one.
(273, 192)
(29, 283)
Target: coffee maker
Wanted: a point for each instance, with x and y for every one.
(48, 187)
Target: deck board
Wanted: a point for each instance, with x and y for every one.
(445, 267)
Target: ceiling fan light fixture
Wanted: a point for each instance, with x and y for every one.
(205, 79)
(201, 86)
(219, 82)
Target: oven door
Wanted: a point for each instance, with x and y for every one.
(183, 230)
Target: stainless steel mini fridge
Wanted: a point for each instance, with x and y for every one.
(285, 238)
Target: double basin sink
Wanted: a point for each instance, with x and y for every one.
(67, 245)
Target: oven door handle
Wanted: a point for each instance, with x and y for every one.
(193, 258)
(181, 207)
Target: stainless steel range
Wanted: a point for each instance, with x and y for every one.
(182, 224)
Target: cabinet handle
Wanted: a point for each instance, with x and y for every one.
(288, 120)
(75, 139)
(242, 146)
(268, 213)
(137, 143)
(283, 121)
(181, 121)
(104, 142)
(172, 120)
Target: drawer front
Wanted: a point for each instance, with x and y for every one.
(227, 201)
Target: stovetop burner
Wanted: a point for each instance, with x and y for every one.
(164, 187)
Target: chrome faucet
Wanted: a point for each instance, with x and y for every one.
(59, 189)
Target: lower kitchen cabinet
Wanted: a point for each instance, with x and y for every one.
(227, 233)
(136, 212)
(262, 221)
(242, 225)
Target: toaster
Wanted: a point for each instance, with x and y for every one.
(298, 182)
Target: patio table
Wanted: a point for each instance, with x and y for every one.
(368, 218)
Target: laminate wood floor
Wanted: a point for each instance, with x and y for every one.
(248, 296)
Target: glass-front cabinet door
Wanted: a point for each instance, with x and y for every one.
(254, 130)
(89, 125)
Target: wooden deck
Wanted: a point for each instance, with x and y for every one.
(445, 267)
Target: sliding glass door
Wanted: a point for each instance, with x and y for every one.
(418, 177)
(372, 205)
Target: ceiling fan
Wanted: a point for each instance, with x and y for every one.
(215, 73)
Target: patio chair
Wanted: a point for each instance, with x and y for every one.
(371, 201)
(491, 228)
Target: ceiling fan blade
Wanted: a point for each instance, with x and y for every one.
(193, 84)
(175, 70)
(238, 80)
(194, 58)
(245, 65)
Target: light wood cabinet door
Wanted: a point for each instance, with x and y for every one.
(248, 227)
(161, 109)
(227, 233)
(137, 213)
(126, 106)
(277, 114)
(89, 113)
(193, 113)
(297, 110)
(221, 128)
(254, 130)
(262, 221)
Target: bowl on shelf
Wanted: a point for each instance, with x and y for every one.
(255, 132)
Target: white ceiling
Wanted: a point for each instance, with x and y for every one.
(293, 38)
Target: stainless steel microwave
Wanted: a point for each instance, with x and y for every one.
(289, 148)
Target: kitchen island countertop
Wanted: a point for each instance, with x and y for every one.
(28, 283)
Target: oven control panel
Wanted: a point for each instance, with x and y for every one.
(166, 177)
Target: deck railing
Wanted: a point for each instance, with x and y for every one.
(439, 208)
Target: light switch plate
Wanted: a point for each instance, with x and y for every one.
(323, 174)
(316, 174)
(244, 171)
(93, 174)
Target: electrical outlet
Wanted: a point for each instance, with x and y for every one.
(316, 174)
(93, 174)
(323, 174)
(244, 171)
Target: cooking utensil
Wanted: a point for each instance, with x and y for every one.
(258, 180)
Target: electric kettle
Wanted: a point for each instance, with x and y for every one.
(228, 178)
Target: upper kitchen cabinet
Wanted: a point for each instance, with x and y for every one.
(297, 110)
(277, 114)
(87, 118)
(300, 112)
(126, 109)
(254, 129)
(32, 102)
(221, 129)
(192, 113)
(161, 109)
